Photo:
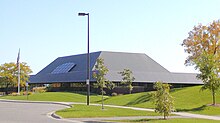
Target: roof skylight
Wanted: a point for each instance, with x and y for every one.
(64, 68)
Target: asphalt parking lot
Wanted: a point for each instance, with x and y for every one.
(11, 112)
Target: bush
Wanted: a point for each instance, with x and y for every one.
(2, 93)
(14, 94)
(21, 93)
(114, 94)
(39, 89)
(29, 93)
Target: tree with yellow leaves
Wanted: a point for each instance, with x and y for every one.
(9, 73)
(203, 47)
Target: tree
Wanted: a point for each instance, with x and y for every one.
(9, 75)
(127, 79)
(99, 75)
(163, 100)
(209, 68)
(203, 47)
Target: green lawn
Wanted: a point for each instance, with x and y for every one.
(189, 99)
(55, 96)
(96, 111)
(171, 121)
(193, 100)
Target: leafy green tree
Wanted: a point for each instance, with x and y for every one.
(9, 74)
(127, 78)
(209, 69)
(203, 47)
(163, 100)
(99, 75)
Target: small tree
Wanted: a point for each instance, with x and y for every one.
(9, 73)
(127, 79)
(209, 68)
(99, 75)
(163, 99)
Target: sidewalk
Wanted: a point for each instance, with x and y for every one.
(197, 115)
(69, 104)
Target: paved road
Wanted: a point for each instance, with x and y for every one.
(28, 113)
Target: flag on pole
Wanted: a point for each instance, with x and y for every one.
(18, 58)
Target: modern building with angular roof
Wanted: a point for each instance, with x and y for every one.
(72, 69)
(145, 70)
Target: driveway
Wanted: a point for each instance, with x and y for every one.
(11, 112)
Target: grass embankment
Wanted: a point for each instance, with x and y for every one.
(55, 96)
(80, 111)
(193, 100)
(189, 99)
(185, 120)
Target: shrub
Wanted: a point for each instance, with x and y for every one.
(2, 93)
(114, 94)
(29, 93)
(14, 94)
(21, 93)
(39, 89)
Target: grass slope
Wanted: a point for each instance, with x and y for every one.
(189, 99)
(55, 96)
(193, 100)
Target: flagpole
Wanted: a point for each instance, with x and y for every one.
(19, 71)
(19, 77)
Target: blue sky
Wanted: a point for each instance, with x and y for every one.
(47, 29)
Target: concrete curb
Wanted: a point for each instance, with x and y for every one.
(43, 102)
(54, 115)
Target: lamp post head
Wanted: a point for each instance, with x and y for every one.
(83, 14)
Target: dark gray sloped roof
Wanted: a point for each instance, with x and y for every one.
(77, 74)
(142, 76)
(138, 62)
(79, 60)
(63, 77)
(143, 67)
(187, 78)
(151, 77)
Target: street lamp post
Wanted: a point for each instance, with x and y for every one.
(88, 60)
